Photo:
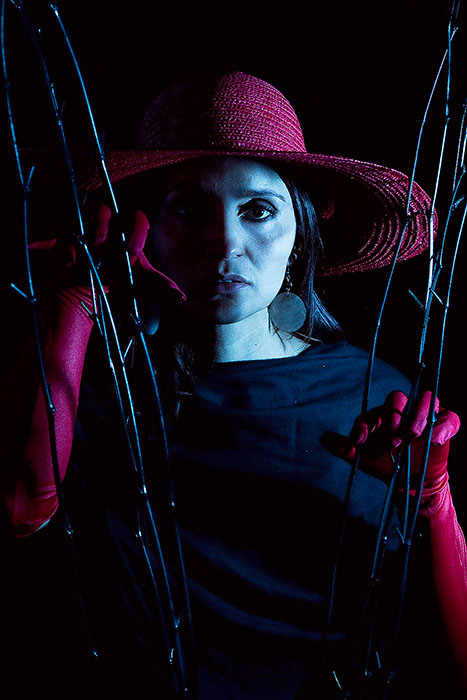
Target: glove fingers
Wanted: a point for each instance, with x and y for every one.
(43, 245)
(365, 425)
(65, 252)
(418, 419)
(388, 417)
(138, 234)
(394, 410)
(339, 445)
(446, 426)
(101, 231)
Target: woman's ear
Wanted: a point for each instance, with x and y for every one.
(294, 255)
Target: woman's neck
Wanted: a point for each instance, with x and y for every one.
(252, 339)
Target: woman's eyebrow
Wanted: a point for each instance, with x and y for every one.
(259, 193)
(189, 186)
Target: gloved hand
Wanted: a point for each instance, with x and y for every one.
(136, 236)
(151, 285)
(378, 435)
(28, 481)
(69, 266)
(382, 431)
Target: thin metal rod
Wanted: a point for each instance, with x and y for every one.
(371, 363)
(138, 327)
(396, 253)
(135, 451)
(102, 161)
(25, 184)
(372, 353)
(433, 275)
(431, 422)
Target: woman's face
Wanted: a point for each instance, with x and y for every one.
(223, 231)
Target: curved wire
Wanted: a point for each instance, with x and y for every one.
(135, 453)
(139, 333)
(435, 268)
(391, 499)
(372, 359)
(25, 184)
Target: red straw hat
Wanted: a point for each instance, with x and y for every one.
(361, 206)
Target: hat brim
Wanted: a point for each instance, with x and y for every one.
(377, 212)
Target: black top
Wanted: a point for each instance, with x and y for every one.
(259, 501)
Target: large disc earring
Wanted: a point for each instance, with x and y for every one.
(287, 311)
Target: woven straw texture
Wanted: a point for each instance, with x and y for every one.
(362, 206)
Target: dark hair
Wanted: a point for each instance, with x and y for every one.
(306, 254)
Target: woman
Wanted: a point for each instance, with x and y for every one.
(259, 390)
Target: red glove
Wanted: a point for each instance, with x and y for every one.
(381, 431)
(28, 481)
(377, 435)
(136, 243)
(29, 484)
(67, 254)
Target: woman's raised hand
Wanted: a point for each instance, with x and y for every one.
(381, 432)
(102, 243)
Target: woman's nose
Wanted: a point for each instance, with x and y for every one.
(225, 238)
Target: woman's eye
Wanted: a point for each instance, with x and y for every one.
(257, 211)
(186, 210)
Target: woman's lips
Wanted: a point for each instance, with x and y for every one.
(223, 284)
(227, 286)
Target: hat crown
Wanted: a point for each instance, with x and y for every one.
(230, 112)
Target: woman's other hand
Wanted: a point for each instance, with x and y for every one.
(381, 433)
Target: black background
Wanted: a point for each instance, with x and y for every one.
(358, 74)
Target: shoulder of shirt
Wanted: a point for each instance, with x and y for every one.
(341, 351)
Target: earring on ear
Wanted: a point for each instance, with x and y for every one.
(287, 311)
